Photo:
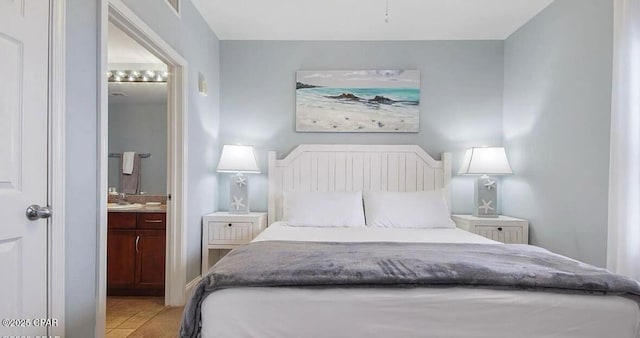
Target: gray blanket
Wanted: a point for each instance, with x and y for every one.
(382, 264)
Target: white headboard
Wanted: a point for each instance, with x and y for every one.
(340, 167)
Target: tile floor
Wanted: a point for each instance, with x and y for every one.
(141, 317)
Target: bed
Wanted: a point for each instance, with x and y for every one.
(372, 311)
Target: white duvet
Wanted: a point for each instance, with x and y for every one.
(415, 312)
(279, 231)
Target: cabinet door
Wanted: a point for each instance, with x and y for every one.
(121, 257)
(150, 259)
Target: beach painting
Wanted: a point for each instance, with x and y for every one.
(358, 101)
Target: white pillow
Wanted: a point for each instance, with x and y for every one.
(329, 209)
(423, 209)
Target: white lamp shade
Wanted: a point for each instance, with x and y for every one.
(485, 161)
(236, 159)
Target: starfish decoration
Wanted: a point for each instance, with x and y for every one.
(237, 203)
(241, 180)
(486, 206)
(491, 184)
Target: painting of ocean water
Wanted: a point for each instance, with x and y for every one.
(358, 101)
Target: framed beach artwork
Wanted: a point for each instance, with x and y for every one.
(358, 101)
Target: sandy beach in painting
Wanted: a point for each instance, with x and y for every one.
(364, 101)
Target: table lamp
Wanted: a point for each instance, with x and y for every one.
(239, 160)
(487, 162)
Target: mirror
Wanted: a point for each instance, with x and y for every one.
(138, 123)
(137, 116)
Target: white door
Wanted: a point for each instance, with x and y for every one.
(23, 164)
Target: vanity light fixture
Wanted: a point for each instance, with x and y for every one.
(154, 76)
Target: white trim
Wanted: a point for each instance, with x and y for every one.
(103, 152)
(176, 11)
(117, 12)
(176, 273)
(191, 286)
(56, 188)
(447, 168)
(395, 168)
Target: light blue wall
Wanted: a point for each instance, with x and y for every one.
(557, 103)
(81, 168)
(193, 39)
(461, 98)
(140, 127)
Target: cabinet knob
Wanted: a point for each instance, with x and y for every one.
(229, 224)
(500, 229)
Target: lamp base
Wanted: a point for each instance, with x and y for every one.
(239, 194)
(486, 197)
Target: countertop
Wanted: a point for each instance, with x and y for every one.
(143, 208)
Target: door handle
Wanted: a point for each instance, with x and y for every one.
(35, 212)
(137, 240)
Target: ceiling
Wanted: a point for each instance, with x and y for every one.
(123, 49)
(365, 19)
(124, 53)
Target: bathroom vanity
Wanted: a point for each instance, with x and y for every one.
(136, 243)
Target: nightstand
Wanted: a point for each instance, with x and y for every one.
(222, 231)
(503, 229)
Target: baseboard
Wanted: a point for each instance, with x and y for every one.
(188, 292)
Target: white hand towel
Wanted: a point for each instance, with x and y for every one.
(127, 162)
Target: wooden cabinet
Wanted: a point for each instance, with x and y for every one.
(136, 253)
(150, 259)
(120, 266)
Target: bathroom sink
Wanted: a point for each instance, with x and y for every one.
(116, 206)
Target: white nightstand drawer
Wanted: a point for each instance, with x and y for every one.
(504, 234)
(230, 232)
(503, 229)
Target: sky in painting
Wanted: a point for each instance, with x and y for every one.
(361, 78)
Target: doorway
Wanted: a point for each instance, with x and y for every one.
(137, 184)
(116, 14)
